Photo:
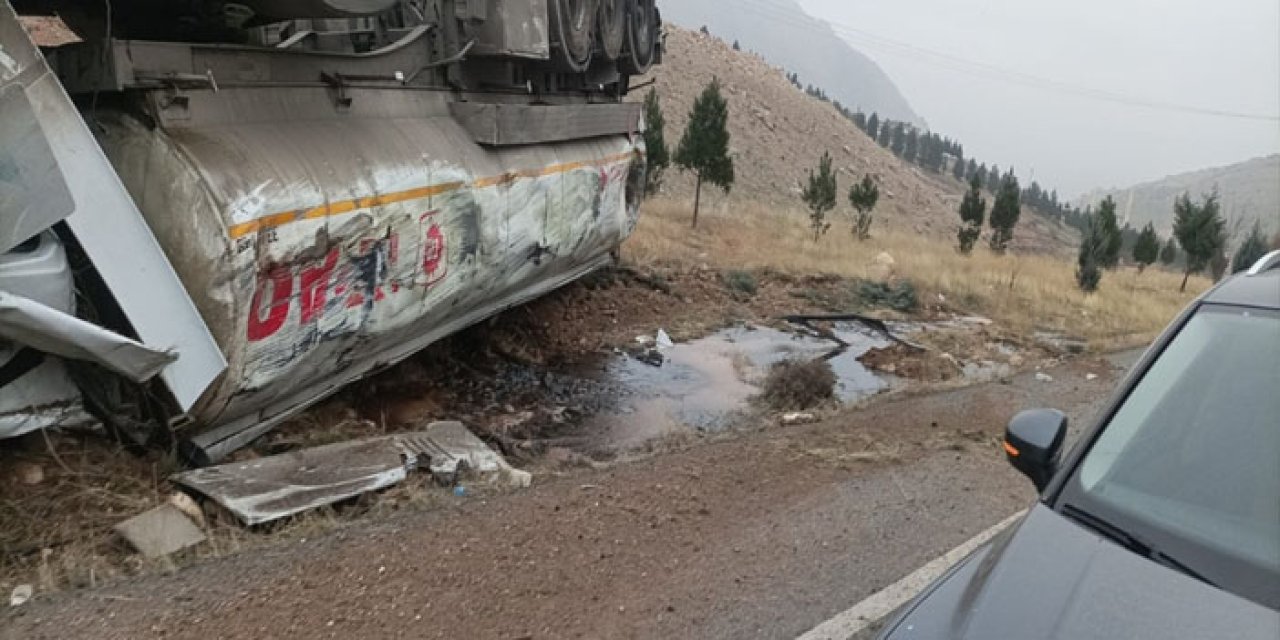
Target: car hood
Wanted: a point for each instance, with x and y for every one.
(1051, 578)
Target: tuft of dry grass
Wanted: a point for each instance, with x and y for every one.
(1025, 293)
(799, 384)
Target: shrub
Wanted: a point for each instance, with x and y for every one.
(741, 282)
(900, 296)
(796, 385)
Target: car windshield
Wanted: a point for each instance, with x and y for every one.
(1191, 460)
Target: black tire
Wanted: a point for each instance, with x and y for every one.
(611, 28)
(573, 33)
(641, 44)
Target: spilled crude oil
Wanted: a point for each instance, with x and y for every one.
(703, 384)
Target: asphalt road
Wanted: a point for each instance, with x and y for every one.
(758, 535)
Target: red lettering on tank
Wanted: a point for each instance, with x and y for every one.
(315, 286)
(280, 281)
(435, 264)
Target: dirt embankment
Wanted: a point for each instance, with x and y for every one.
(528, 382)
(747, 537)
(779, 133)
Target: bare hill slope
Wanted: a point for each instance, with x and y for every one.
(779, 133)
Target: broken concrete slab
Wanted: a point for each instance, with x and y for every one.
(160, 531)
(266, 489)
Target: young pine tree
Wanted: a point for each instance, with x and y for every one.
(1251, 250)
(1005, 213)
(1093, 247)
(1169, 254)
(864, 196)
(1147, 249)
(973, 212)
(873, 126)
(820, 196)
(886, 134)
(911, 149)
(1106, 218)
(1200, 231)
(704, 149)
(899, 142)
(655, 142)
(958, 168)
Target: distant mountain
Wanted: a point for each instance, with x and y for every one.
(1250, 191)
(786, 36)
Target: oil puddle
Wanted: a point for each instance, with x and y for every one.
(703, 385)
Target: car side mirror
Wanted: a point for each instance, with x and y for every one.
(1033, 443)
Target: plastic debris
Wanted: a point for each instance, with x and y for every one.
(21, 595)
(664, 341)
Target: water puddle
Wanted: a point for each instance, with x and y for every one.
(704, 383)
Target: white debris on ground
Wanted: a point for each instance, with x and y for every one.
(275, 487)
(455, 449)
(798, 418)
(1044, 377)
(161, 531)
(664, 341)
(21, 595)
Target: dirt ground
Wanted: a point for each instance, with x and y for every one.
(762, 534)
(499, 378)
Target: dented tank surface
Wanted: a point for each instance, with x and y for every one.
(334, 201)
(322, 247)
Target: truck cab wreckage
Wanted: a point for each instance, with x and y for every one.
(215, 214)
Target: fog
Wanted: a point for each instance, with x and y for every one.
(1218, 56)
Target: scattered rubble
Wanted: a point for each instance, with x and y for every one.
(162, 531)
(267, 489)
(453, 450)
(798, 417)
(21, 595)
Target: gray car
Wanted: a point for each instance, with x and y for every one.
(1164, 520)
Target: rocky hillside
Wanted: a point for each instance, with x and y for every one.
(779, 133)
(786, 36)
(1250, 191)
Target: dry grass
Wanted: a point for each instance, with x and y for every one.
(799, 384)
(1024, 293)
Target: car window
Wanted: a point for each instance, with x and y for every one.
(1194, 451)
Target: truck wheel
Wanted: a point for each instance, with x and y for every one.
(612, 28)
(573, 25)
(641, 42)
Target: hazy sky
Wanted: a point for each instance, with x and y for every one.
(1221, 55)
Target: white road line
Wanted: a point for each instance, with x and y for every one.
(862, 615)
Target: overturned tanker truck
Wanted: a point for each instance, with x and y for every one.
(215, 214)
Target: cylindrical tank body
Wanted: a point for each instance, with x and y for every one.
(320, 244)
(319, 8)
